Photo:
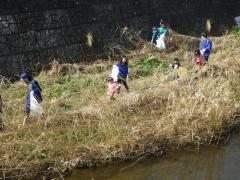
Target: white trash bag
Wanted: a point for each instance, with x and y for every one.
(160, 42)
(35, 107)
(115, 72)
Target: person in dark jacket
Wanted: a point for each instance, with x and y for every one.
(32, 85)
(175, 66)
(123, 73)
(205, 46)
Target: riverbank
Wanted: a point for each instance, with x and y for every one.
(83, 128)
(215, 162)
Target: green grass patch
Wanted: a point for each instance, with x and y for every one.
(236, 93)
(236, 30)
(147, 65)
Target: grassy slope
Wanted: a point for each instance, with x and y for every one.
(83, 127)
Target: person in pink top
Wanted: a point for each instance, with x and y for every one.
(198, 59)
(112, 87)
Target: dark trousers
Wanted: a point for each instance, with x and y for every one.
(123, 81)
(206, 56)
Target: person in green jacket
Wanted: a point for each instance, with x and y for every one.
(157, 32)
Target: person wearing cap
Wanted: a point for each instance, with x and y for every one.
(205, 46)
(32, 86)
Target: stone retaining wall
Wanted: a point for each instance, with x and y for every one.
(32, 32)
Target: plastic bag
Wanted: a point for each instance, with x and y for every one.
(35, 107)
(202, 52)
(115, 72)
(160, 42)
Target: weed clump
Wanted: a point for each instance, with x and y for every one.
(236, 30)
(147, 65)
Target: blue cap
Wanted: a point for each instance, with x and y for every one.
(24, 75)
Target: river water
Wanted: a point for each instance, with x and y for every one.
(214, 163)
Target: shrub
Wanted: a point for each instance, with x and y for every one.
(147, 65)
(236, 30)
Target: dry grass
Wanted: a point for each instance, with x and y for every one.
(82, 127)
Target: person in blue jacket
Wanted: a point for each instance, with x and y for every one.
(32, 85)
(123, 73)
(205, 46)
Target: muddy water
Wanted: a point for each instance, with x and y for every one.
(215, 163)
